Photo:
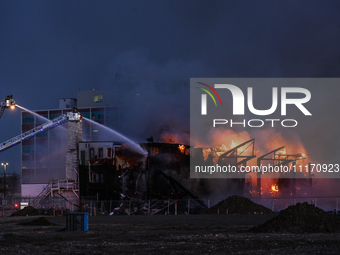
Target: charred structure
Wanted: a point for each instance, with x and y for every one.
(97, 171)
(125, 174)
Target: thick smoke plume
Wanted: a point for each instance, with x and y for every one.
(154, 97)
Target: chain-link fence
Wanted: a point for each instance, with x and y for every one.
(13, 204)
(111, 207)
(142, 207)
(151, 207)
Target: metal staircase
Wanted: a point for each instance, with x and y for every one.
(44, 193)
(55, 187)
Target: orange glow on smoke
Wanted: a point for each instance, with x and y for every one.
(275, 188)
(223, 148)
(283, 151)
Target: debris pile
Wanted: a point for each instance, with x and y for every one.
(237, 205)
(42, 221)
(27, 211)
(301, 218)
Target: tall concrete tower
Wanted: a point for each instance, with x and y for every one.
(75, 135)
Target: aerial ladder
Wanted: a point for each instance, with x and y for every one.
(70, 116)
(7, 103)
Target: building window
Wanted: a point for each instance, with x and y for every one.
(53, 116)
(91, 153)
(108, 152)
(42, 135)
(42, 148)
(42, 120)
(27, 149)
(98, 115)
(100, 153)
(85, 114)
(98, 98)
(27, 119)
(82, 157)
(53, 133)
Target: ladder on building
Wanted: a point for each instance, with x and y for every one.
(44, 193)
(33, 132)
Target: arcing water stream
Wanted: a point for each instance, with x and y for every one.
(135, 146)
(34, 113)
(37, 115)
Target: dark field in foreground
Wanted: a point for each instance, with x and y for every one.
(162, 234)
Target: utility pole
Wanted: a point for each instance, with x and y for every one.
(4, 164)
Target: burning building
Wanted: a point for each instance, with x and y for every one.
(253, 176)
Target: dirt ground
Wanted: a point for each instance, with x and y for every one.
(161, 234)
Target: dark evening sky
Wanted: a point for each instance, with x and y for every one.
(53, 49)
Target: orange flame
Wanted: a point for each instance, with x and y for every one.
(181, 148)
(275, 188)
